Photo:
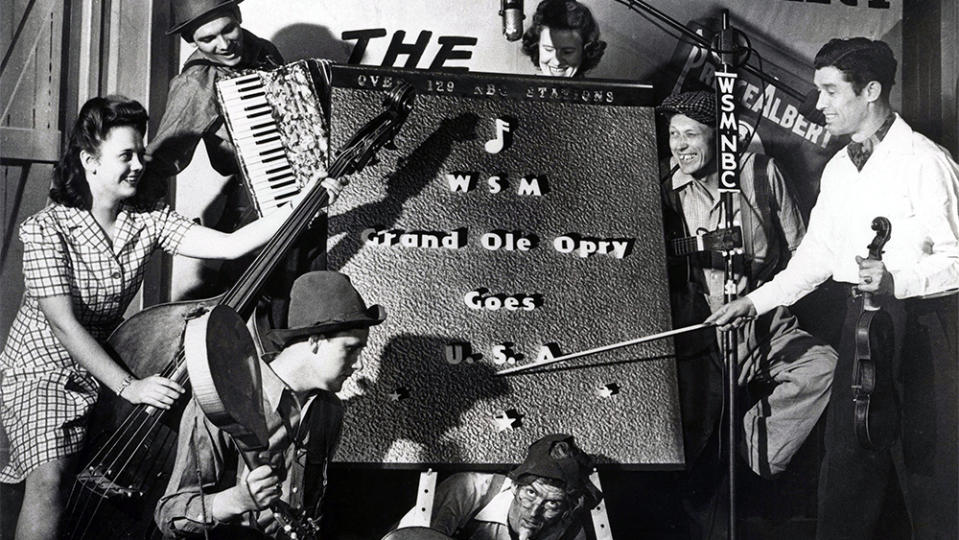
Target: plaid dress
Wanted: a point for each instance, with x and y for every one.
(44, 395)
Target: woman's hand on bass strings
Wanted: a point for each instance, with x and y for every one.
(154, 390)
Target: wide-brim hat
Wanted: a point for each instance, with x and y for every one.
(185, 12)
(573, 468)
(323, 302)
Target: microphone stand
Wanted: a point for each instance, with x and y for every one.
(641, 7)
(727, 155)
(726, 132)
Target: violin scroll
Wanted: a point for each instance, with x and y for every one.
(883, 231)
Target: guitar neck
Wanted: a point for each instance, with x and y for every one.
(718, 240)
(688, 245)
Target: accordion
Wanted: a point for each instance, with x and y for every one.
(279, 124)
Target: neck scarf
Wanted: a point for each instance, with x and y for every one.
(859, 152)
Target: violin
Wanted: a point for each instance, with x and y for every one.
(875, 406)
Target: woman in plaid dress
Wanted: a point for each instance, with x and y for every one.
(83, 262)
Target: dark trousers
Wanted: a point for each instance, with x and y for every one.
(853, 481)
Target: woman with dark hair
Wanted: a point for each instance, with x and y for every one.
(83, 261)
(563, 40)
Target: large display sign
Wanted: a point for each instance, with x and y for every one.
(518, 219)
(467, 35)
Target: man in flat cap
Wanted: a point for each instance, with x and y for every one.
(210, 487)
(546, 497)
(891, 171)
(788, 369)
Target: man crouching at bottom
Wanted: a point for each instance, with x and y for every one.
(547, 497)
(210, 488)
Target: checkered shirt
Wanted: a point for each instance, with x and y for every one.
(44, 395)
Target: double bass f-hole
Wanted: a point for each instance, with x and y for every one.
(875, 410)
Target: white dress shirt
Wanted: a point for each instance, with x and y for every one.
(909, 180)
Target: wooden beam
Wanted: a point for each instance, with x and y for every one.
(35, 145)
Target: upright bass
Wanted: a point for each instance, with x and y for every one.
(130, 448)
(875, 403)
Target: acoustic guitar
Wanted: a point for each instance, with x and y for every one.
(718, 240)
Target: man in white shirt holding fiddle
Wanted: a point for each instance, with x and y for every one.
(891, 171)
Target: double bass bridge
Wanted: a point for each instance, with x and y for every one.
(104, 483)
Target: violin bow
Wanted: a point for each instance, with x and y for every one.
(604, 348)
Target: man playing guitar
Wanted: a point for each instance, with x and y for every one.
(210, 488)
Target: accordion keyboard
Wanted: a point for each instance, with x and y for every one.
(279, 130)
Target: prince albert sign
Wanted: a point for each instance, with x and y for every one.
(518, 219)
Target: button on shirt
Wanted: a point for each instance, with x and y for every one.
(45, 392)
(909, 180)
(302, 442)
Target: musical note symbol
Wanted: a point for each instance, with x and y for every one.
(503, 128)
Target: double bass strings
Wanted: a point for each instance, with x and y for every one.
(102, 473)
(102, 466)
(240, 297)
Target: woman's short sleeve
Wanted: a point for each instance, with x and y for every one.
(171, 227)
(46, 265)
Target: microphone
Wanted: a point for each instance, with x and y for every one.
(808, 108)
(512, 13)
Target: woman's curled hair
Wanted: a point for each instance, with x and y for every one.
(97, 117)
(565, 15)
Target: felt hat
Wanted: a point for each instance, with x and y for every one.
(700, 106)
(185, 12)
(323, 302)
(557, 457)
